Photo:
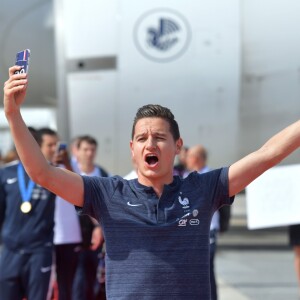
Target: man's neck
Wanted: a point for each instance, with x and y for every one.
(86, 168)
(156, 183)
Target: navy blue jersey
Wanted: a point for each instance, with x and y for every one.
(25, 232)
(157, 248)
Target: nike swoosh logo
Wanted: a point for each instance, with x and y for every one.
(131, 204)
(46, 269)
(11, 180)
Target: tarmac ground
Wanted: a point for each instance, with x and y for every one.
(254, 264)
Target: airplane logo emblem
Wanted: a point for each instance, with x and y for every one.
(162, 34)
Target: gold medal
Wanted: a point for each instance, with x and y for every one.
(26, 207)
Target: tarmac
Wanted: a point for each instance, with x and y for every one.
(254, 264)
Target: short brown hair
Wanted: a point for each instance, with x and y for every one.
(157, 111)
(88, 139)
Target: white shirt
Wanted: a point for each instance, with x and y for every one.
(67, 227)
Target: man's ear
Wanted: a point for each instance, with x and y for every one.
(179, 144)
(131, 148)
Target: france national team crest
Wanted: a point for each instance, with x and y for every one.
(162, 35)
(188, 218)
(183, 201)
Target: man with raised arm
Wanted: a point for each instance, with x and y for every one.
(156, 226)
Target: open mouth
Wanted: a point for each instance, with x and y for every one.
(151, 159)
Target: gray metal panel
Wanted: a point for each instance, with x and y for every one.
(62, 93)
(91, 64)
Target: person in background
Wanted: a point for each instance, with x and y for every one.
(73, 151)
(67, 236)
(294, 240)
(27, 218)
(86, 285)
(10, 156)
(196, 160)
(1, 158)
(180, 167)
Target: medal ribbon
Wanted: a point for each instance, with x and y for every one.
(25, 191)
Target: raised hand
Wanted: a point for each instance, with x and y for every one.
(14, 90)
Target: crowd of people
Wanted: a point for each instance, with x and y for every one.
(48, 250)
(160, 230)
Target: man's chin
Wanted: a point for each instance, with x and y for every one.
(150, 174)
